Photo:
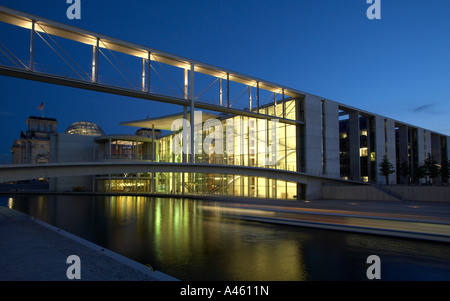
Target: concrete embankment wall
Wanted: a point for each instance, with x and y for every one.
(422, 193)
(365, 193)
(370, 193)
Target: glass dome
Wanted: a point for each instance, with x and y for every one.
(84, 128)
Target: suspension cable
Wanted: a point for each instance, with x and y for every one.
(121, 65)
(163, 80)
(207, 88)
(13, 56)
(59, 55)
(116, 68)
(182, 91)
(64, 52)
(238, 96)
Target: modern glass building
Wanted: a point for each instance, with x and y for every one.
(334, 145)
(235, 140)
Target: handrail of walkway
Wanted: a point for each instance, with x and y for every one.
(18, 172)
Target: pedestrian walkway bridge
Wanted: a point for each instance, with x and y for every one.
(18, 172)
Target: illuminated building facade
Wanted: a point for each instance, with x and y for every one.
(319, 141)
(34, 145)
(333, 145)
(249, 142)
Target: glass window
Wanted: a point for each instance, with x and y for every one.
(290, 109)
(291, 190)
(270, 110)
(280, 110)
(291, 147)
(281, 189)
(262, 187)
(262, 142)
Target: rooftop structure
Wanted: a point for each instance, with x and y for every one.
(84, 128)
(33, 146)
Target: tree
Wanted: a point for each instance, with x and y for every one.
(445, 171)
(419, 173)
(404, 170)
(386, 168)
(431, 167)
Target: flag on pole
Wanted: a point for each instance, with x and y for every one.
(41, 107)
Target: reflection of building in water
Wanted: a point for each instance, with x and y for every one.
(34, 145)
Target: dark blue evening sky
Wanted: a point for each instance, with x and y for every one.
(398, 66)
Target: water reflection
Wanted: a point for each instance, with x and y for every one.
(194, 240)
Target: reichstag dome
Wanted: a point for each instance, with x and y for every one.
(84, 128)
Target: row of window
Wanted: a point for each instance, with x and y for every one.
(43, 128)
(203, 184)
(253, 143)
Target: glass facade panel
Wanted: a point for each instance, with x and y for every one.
(291, 147)
(261, 142)
(281, 189)
(291, 190)
(247, 141)
(290, 109)
(280, 110)
(200, 184)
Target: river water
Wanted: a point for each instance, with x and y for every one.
(195, 240)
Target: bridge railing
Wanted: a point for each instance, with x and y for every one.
(136, 158)
(61, 51)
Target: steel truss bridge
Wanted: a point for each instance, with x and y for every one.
(160, 76)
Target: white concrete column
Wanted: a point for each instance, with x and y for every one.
(380, 146)
(427, 144)
(421, 146)
(403, 143)
(313, 134)
(391, 154)
(354, 144)
(332, 138)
